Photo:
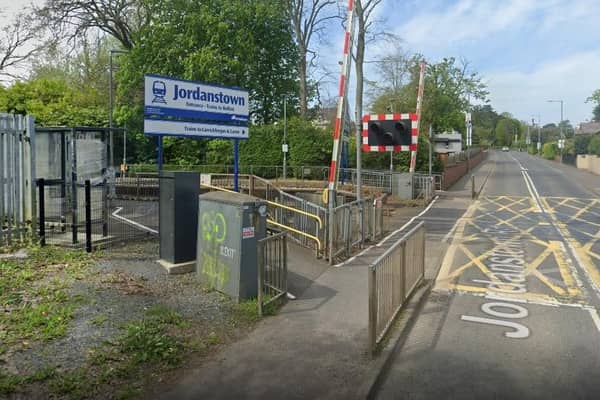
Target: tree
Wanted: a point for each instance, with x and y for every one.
(121, 19)
(484, 120)
(52, 102)
(595, 98)
(215, 41)
(19, 42)
(594, 146)
(308, 20)
(506, 129)
(581, 143)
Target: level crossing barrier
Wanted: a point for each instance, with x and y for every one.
(392, 279)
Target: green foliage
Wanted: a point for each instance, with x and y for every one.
(594, 146)
(52, 103)
(308, 144)
(506, 129)
(38, 311)
(581, 143)
(549, 151)
(264, 145)
(233, 42)
(447, 94)
(595, 98)
(148, 340)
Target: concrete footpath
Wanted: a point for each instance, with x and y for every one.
(316, 346)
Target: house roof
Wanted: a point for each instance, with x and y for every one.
(588, 127)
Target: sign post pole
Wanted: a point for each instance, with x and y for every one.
(236, 187)
(159, 160)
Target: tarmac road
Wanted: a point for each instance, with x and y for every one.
(514, 310)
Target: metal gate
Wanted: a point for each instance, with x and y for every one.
(17, 177)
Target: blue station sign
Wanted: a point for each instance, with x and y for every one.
(168, 98)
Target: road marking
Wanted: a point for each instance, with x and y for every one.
(408, 223)
(388, 236)
(595, 317)
(116, 215)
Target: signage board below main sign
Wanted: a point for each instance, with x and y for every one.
(168, 97)
(194, 129)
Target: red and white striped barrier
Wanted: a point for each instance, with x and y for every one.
(343, 94)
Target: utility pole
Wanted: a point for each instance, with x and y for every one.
(561, 141)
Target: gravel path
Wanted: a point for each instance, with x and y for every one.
(119, 288)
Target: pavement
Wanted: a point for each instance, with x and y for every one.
(513, 313)
(316, 346)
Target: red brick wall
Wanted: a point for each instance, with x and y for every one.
(453, 173)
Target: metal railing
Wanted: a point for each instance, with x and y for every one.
(140, 186)
(307, 219)
(272, 270)
(424, 187)
(313, 172)
(277, 224)
(352, 224)
(392, 279)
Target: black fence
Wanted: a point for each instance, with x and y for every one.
(86, 216)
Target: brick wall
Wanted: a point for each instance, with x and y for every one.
(453, 173)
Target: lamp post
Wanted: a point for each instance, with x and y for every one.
(110, 106)
(561, 122)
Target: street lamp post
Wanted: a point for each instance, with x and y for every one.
(561, 122)
(110, 106)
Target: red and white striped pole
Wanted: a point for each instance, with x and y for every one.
(413, 154)
(342, 100)
(339, 125)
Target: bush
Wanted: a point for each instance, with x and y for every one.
(594, 146)
(549, 151)
(581, 143)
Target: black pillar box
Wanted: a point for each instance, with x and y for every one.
(178, 209)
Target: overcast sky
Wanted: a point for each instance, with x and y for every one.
(527, 51)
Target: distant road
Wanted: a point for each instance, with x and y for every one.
(514, 311)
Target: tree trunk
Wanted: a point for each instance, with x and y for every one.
(303, 84)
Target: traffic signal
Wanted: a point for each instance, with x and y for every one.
(389, 132)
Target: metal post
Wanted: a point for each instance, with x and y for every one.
(236, 187)
(73, 186)
(104, 207)
(260, 270)
(285, 266)
(430, 149)
(42, 208)
(88, 216)
(473, 195)
(372, 309)
(110, 111)
(284, 138)
(160, 153)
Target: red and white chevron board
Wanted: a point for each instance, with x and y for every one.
(390, 117)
